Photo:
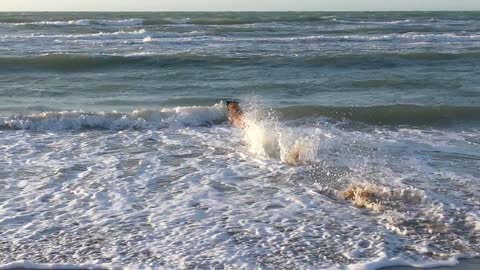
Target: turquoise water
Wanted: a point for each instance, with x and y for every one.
(116, 149)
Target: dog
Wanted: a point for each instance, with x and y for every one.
(235, 114)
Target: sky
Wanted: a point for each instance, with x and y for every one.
(235, 5)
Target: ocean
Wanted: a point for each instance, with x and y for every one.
(361, 147)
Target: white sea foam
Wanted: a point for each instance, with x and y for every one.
(75, 120)
(200, 36)
(122, 22)
(179, 20)
(385, 261)
(412, 36)
(148, 39)
(102, 35)
(31, 265)
(202, 196)
(473, 218)
(84, 22)
(406, 22)
(73, 22)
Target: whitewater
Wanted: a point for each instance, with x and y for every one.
(361, 146)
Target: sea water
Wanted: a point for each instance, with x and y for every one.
(361, 147)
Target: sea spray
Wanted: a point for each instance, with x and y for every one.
(266, 136)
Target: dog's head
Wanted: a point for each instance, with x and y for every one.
(233, 106)
(235, 114)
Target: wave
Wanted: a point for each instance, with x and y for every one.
(408, 37)
(412, 37)
(138, 119)
(204, 19)
(73, 22)
(123, 22)
(81, 62)
(117, 34)
(80, 22)
(239, 19)
(227, 19)
(232, 18)
(215, 114)
(388, 114)
(212, 20)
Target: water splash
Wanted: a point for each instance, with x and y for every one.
(267, 137)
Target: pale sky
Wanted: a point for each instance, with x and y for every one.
(235, 5)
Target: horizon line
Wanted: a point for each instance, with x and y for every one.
(152, 11)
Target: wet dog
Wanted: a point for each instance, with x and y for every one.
(235, 114)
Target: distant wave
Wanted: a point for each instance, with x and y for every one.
(80, 62)
(138, 119)
(388, 114)
(234, 20)
(241, 19)
(206, 37)
(408, 37)
(79, 22)
(165, 20)
(122, 22)
(73, 22)
(99, 35)
(293, 18)
(205, 19)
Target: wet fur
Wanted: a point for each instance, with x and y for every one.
(235, 114)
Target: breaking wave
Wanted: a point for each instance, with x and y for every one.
(138, 119)
(260, 124)
(80, 22)
(116, 34)
(208, 19)
(239, 19)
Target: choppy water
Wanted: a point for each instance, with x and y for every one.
(116, 150)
